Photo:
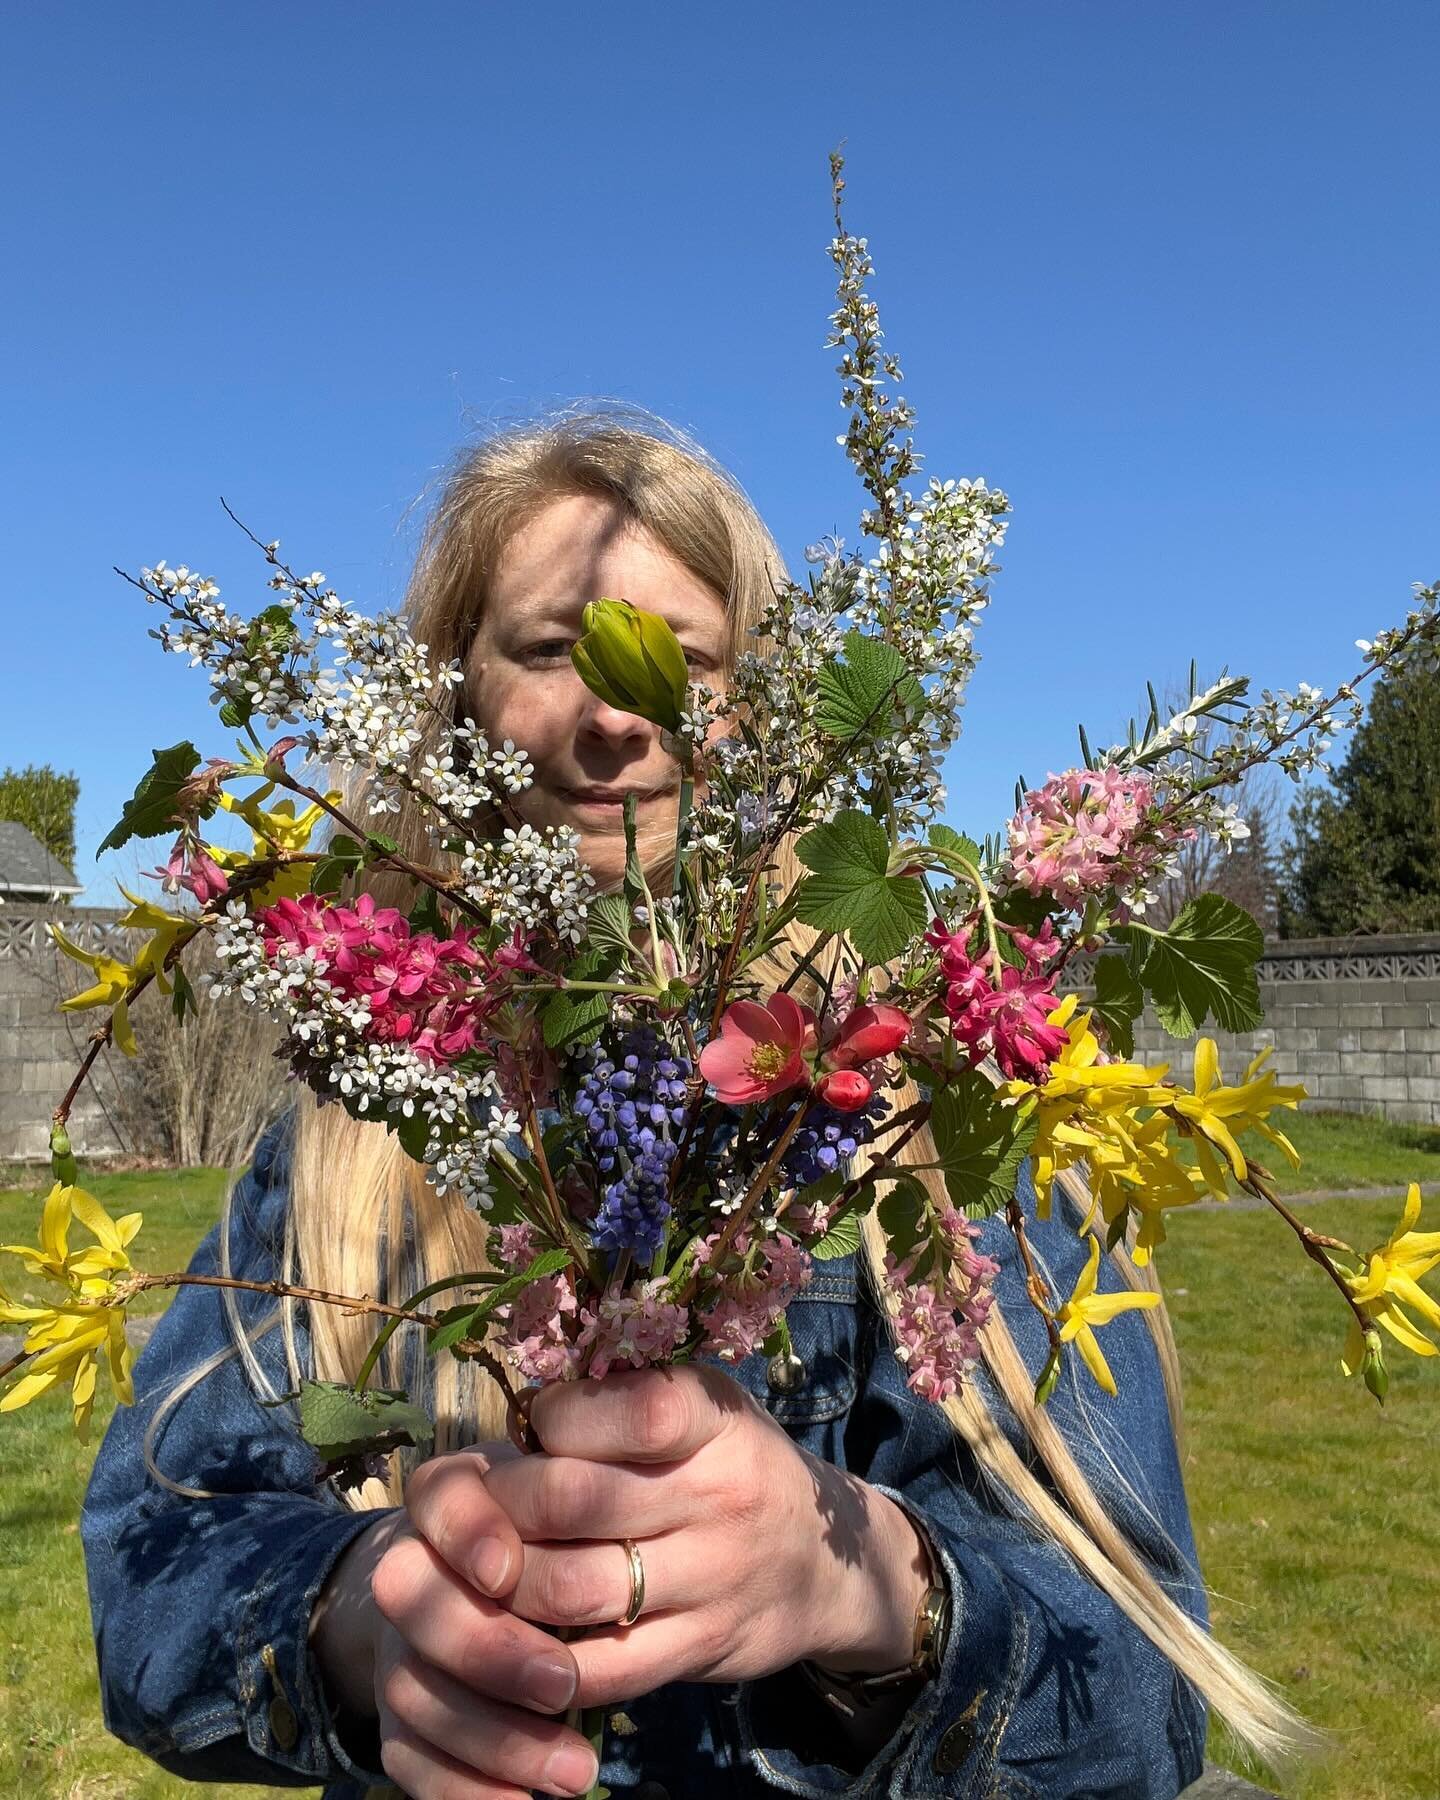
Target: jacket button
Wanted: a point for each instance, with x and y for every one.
(786, 1373)
(958, 1739)
(284, 1726)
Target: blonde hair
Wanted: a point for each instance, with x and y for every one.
(362, 1220)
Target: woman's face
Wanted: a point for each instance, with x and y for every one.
(521, 684)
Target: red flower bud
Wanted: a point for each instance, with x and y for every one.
(847, 1090)
(870, 1031)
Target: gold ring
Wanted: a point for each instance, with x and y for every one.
(637, 1582)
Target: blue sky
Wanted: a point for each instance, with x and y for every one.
(1166, 274)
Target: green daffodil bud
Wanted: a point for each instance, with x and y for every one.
(632, 660)
(1377, 1376)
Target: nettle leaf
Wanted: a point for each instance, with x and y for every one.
(150, 810)
(337, 1422)
(469, 1320)
(861, 694)
(981, 1143)
(1205, 963)
(1119, 1001)
(850, 890)
(610, 924)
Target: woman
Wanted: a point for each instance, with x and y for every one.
(803, 1528)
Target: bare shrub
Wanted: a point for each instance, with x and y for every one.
(203, 1092)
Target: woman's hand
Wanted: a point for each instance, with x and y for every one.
(414, 1627)
(757, 1555)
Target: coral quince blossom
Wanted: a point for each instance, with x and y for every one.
(867, 1033)
(760, 1050)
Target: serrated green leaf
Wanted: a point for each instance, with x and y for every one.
(150, 810)
(956, 842)
(981, 1143)
(377, 842)
(568, 1016)
(1205, 963)
(337, 1422)
(849, 890)
(862, 693)
(469, 1321)
(235, 713)
(610, 924)
(1119, 1001)
(842, 1239)
(273, 631)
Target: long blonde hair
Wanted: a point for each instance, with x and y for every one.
(361, 1220)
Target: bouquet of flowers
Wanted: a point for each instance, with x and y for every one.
(835, 1014)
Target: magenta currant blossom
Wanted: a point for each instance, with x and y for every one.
(1008, 1020)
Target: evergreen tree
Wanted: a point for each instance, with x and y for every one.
(1366, 855)
(43, 801)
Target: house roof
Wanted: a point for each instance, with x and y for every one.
(27, 867)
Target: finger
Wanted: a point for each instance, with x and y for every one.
(422, 1772)
(476, 1640)
(590, 1584)
(450, 1504)
(643, 1415)
(485, 1736)
(555, 1497)
(618, 1665)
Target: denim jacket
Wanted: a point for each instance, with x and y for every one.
(202, 1606)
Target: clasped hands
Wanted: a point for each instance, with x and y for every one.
(757, 1555)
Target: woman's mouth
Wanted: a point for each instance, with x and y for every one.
(607, 801)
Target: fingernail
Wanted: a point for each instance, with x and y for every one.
(550, 1682)
(491, 1565)
(571, 1770)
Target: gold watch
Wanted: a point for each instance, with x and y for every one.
(851, 1694)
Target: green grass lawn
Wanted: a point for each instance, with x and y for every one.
(1317, 1512)
(1351, 1150)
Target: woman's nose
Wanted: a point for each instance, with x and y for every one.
(611, 725)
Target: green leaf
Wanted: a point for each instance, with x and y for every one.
(182, 1000)
(272, 631)
(842, 1239)
(956, 843)
(610, 924)
(150, 810)
(236, 712)
(1119, 1001)
(380, 845)
(343, 858)
(861, 695)
(981, 1143)
(634, 885)
(337, 1422)
(778, 1342)
(900, 1214)
(469, 1321)
(1205, 963)
(850, 890)
(569, 1017)
(425, 914)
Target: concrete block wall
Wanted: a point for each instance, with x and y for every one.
(1356, 1019)
(40, 1047)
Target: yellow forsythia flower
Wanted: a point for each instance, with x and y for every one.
(1217, 1113)
(114, 980)
(67, 1338)
(1390, 1281)
(278, 827)
(1085, 1309)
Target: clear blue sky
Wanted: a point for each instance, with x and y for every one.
(1166, 273)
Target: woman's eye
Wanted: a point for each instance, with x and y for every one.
(552, 650)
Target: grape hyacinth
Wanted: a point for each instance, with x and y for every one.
(630, 1102)
(829, 1139)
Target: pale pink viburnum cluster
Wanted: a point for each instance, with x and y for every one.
(1010, 1021)
(552, 1337)
(937, 1334)
(1088, 831)
(432, 994)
